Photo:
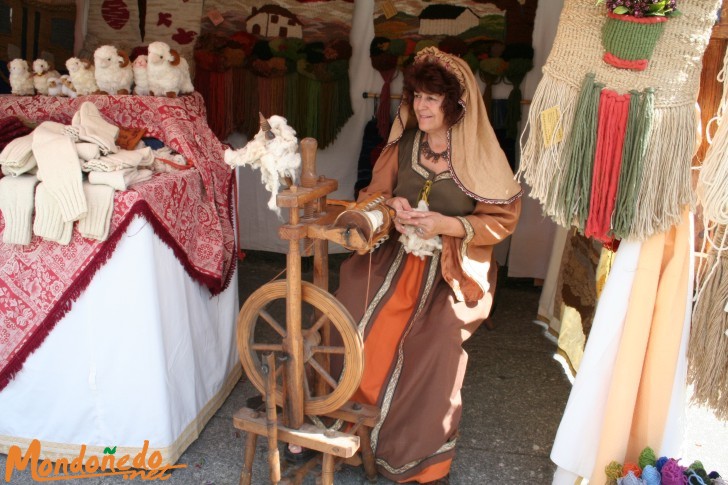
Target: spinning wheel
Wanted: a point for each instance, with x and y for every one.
(260, 331)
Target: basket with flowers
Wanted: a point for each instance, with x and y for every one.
(632, 30)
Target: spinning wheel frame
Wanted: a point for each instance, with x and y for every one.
(328, 309)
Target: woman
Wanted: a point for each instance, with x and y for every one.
(415, 313)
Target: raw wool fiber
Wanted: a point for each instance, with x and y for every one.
(416, 245)
(289, 58)
(673, 73)
(708, 351)
(276, 158)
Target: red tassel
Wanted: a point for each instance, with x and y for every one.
(611, 127)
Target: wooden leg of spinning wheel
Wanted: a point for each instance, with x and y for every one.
(327, 470)
(274, 460)
(246, 476)
(367, 455)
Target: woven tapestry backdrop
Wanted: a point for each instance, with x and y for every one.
(289, 58)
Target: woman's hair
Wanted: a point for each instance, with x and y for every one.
(433, 78)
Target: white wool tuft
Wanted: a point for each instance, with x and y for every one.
(276, 158)
(415, 244)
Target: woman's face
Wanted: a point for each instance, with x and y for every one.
(428, 109)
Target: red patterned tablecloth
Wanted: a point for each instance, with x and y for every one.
(190, 210)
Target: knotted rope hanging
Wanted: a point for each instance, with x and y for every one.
(708, 352)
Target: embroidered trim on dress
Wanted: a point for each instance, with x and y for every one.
(382, 290)
(393, 381)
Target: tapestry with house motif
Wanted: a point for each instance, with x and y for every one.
(493, 36)
(283, 57)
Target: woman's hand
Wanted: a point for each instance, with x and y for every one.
(429, 224)
(401, 207)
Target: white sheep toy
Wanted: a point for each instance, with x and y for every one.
(168, 73)
(42, 72)
(67, 88)
(21, 79)
(83, 76)
(55, 86)
(141, 79)
(273, 150)
(113, 70)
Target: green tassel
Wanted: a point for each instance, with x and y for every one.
(639, 126)
(574, 195)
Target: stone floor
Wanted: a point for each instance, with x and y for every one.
(514, 395)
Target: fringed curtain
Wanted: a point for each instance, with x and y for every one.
(288, 58)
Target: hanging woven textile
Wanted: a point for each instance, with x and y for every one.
(708, 351)
(287, 57)
(493, 37)
(612, 156)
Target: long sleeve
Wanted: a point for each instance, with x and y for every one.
(467, 262)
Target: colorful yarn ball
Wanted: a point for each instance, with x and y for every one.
(697, 464)
(713, 475)
(613, 471)
(629, 479)
(647, 457)
(694, 478)
(660, 463)
(650, 476)
(672, 473)
(631, 467)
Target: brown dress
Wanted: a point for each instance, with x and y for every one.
(415, 314)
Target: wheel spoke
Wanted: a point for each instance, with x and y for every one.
(316, 326)
(327, 349)
(267, 348)
(322, 372)
(306, 389)
(273, 323)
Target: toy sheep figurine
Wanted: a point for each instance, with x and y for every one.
(55, 86)
(113, 70)
(141, 79)
(43, 72)
(21, 79)
(168, 73)
(83, 75)
(67, 87)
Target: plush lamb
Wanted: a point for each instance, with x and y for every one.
(21, 79)
(141, 79)
(83, 75)
(68, 88)
(168, 73)
(113, 70)
(55, 86)
(43, 72)
(276, 156)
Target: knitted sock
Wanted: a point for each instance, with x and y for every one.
(118, 161)
(16, 205)
(14, 170)
(100, 208)
(17, 152)
(88, 151)
(59, 169)
(92, 127)
(119, 179)
(48, 222)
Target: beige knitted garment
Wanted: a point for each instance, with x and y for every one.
(673, 72)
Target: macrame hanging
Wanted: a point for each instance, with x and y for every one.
(708, 352)
(288, 58)
(494, 38)
(577, 134)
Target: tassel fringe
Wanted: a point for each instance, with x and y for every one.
(664, 185)
(708, 351)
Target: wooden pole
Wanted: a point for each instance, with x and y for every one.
(274, 460)
(246, 477)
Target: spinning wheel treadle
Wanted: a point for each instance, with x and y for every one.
(323, 393)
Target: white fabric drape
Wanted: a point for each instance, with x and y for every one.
(144, 354)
